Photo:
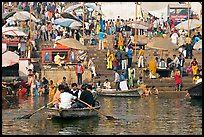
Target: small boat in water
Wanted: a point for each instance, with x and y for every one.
(195, 91)
(74, 112)
(123, 93)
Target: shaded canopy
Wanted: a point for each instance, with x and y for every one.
(9, 58)
(70, 16)
(70, 43)
(6, 15)
(65, 22)
(198, 45)
(24, 15)
(161, 43)
(13, 31)
(87, 5)
(193, 24)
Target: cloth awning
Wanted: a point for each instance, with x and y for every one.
(9, 58)
(70, 43)
(161, 43)
(193, 24)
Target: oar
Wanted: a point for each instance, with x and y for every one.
(108, 117)
(11, 104)
(29, 115)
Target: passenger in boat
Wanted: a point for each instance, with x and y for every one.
(75, 91)
(86, 96)
(107, 84)
(66, 98)
(64, 82)
(56, 97)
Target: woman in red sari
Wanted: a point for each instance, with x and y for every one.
(177, 77)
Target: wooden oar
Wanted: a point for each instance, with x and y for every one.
(29, 115)
(108, 117)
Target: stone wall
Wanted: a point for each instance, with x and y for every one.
(58, 74)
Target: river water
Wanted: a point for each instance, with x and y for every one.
(168, 114)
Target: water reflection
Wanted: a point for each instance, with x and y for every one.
(76, 126)
(167, 114)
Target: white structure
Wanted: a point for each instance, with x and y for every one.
(125, 10)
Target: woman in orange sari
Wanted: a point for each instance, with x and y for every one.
(152, 68)
(120, 41)
(110, 58)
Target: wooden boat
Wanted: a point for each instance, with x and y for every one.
(74, 112)
(195, 91)
(124, 93)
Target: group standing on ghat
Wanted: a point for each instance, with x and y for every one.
(119, 56)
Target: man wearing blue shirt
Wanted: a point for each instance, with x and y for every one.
(101, 38)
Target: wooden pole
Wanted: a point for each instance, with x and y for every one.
(135, 29)
(83, 22)
(30, 45)
(188, 20)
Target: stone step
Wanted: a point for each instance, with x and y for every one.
(169, 84)
(167, 80)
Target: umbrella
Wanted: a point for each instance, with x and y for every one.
(198, 45)
(161, 43)
(24, 15)
(6, 15)
(75, 24)
(193, 24)
(63, 22)
(94, 7)
(71, 43)
(73, 7)
(87, 5)
(70, 16)
(13, 31)
(9, 58)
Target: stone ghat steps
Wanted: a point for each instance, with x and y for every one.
(168, 84)
(187, 79)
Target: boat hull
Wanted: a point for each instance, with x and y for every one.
(125, 93)
(196, 91)
(74, 112)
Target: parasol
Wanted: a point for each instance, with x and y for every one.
(9, 58)
(198, 45)
(24, 15)
(70, 16)
(194, 23)
(63, 22)
(70, 43)
(13, 31)
(161, 43)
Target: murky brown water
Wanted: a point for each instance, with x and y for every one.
(167, 114)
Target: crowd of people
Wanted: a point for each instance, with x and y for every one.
(120, 54)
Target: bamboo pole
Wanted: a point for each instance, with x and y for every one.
(83, 22)
(135, 29)
(30, 45)
(188, 20)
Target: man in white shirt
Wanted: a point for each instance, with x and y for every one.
(75, 91)
(106, 84)
(66, 99)
(117, 80)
